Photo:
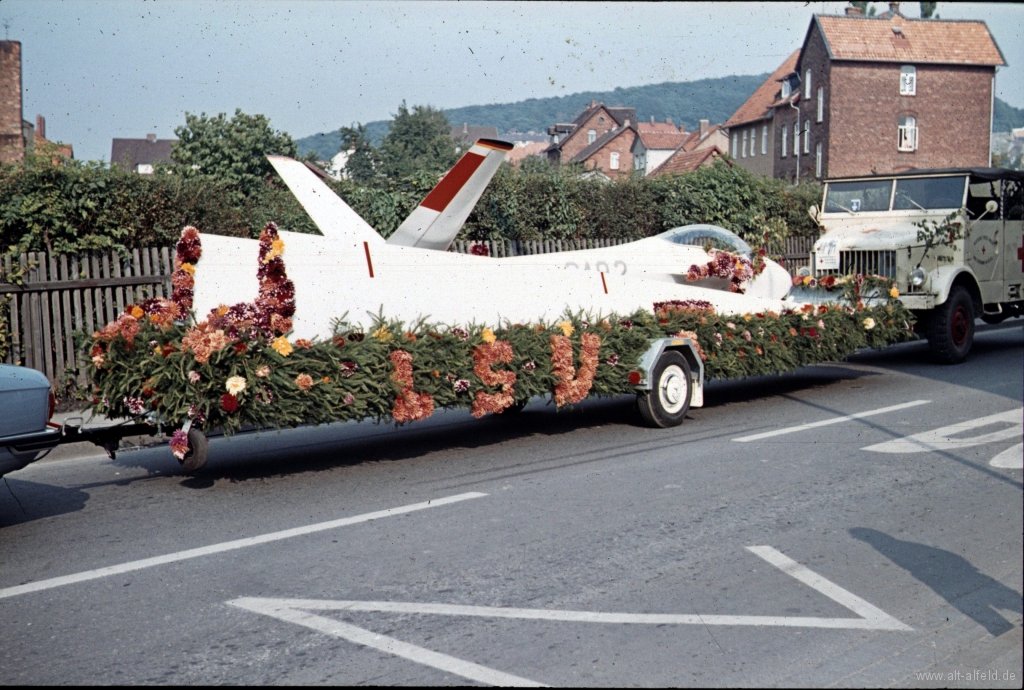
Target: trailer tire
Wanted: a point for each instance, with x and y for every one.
(198, 451)
(668, 401)
(951, 331)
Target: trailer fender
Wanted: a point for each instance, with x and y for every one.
(687, 348)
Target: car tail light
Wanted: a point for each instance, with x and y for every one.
(53, 405)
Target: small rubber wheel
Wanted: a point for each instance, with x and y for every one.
(668, 401)
(198, 451)
(951, 331)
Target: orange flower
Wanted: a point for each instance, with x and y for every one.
(484, 357)
(410, 406)
(304, 381)
(303, 344)
(573, 386)
(137, 312)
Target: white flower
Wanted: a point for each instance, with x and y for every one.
(869, 323)
(235, 385)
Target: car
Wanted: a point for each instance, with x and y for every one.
(27, 403)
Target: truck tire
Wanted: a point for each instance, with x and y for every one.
(198, 451)
(668, 401)
(951, 331)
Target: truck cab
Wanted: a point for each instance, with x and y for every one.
(972, 266)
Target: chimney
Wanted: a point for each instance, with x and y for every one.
(704, 128)
(12, 141)
(41, 126)
(852, 11)
(150, 138)
(465, 128)
(593, 104)
(894, 7)
(652, 119)
(668, 120)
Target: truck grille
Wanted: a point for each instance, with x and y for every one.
(876, 263)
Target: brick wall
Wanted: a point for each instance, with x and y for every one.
(601, 122)
(813, 57)
(622, 144)
(12, 141)
(758, 163)
(952, 108)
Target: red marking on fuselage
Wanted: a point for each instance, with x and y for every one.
(603, 283)
(441, 195)
(369, 263)
(1020, 253)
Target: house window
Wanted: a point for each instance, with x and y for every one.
(807, 84)
(821, 103)
(786, 88)
(591, 136)
(764, 140)
(785, 142)
(744, 143)
(613, 161)
(735, 144)
(807, 136)
(817, 160)
(906, 140)
(908, 80)
(796, 138)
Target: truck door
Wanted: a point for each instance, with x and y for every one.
(982, 246)
(1013, 233)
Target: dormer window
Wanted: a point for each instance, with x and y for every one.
(785, 88)
(591, 136)
(908, 80)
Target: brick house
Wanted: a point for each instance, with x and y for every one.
(600, 138)
(751, 128)
(655, 142)
(886, 94)
(140, 155)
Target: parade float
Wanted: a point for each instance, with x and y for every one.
(267, 363)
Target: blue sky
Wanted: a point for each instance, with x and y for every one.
(121, 68)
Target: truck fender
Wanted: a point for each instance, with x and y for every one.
(687, 348)
(944, 277)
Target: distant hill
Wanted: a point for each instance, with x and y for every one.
(685, 102)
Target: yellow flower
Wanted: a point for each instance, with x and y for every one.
(188, 268)
(137, 312)
(747, 317)
(382, 334)
(276, 250)
(894, 292)
(807, 280)
(567, 328)
(869, 323)
(281, 345)
(235, 385)
(222, 310)
(488, 335)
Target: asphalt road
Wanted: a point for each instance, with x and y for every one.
(836, 554)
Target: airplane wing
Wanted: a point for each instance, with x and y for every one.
(329, 212)
(439, 217)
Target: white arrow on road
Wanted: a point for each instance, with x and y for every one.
(948, 437)
(297, 611)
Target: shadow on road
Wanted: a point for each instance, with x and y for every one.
(24, 501)
(952, 577)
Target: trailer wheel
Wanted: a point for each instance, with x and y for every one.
(198, 451)
(668, 400)
(951, 331)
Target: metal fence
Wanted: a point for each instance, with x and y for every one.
(60, 294)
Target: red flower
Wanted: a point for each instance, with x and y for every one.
(240, 348)
(338, 340)
(229, 402)
(634, 378)
(813, 331)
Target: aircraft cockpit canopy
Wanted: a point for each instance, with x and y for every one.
(705, 235)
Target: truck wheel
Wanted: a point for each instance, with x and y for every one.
(198, 451)
(951, 332)
(668, 400)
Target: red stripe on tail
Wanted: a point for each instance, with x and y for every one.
(446, 189)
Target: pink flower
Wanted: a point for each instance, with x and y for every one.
(135, 405)
(193, 377)
(349, 399)
(179, 444)
(461, 386)
(747, 336)
(530, 366)
(613, 360)
(347, 368)
(718, 338)
(461, 333)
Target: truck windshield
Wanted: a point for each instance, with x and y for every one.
(866, 195)
(929, 193)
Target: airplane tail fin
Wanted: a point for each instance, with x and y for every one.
(439, 217)
(329, 212)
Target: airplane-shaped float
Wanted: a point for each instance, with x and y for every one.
(352, 270)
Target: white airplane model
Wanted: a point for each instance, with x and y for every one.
(437, 220)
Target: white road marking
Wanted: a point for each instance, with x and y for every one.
(827, 422)
(943, 437)
(283, 610)
(1012, 458)
(130, 566)
(296, 611)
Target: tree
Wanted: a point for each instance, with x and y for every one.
(418, 141)
(864, 7)
(928, 9)
(363, 157)
(232, 151)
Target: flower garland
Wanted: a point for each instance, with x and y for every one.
(853, 287)
(410, 406)
(733, 267)
(573, 386)
(485, 356)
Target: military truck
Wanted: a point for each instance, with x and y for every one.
(952, 239)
